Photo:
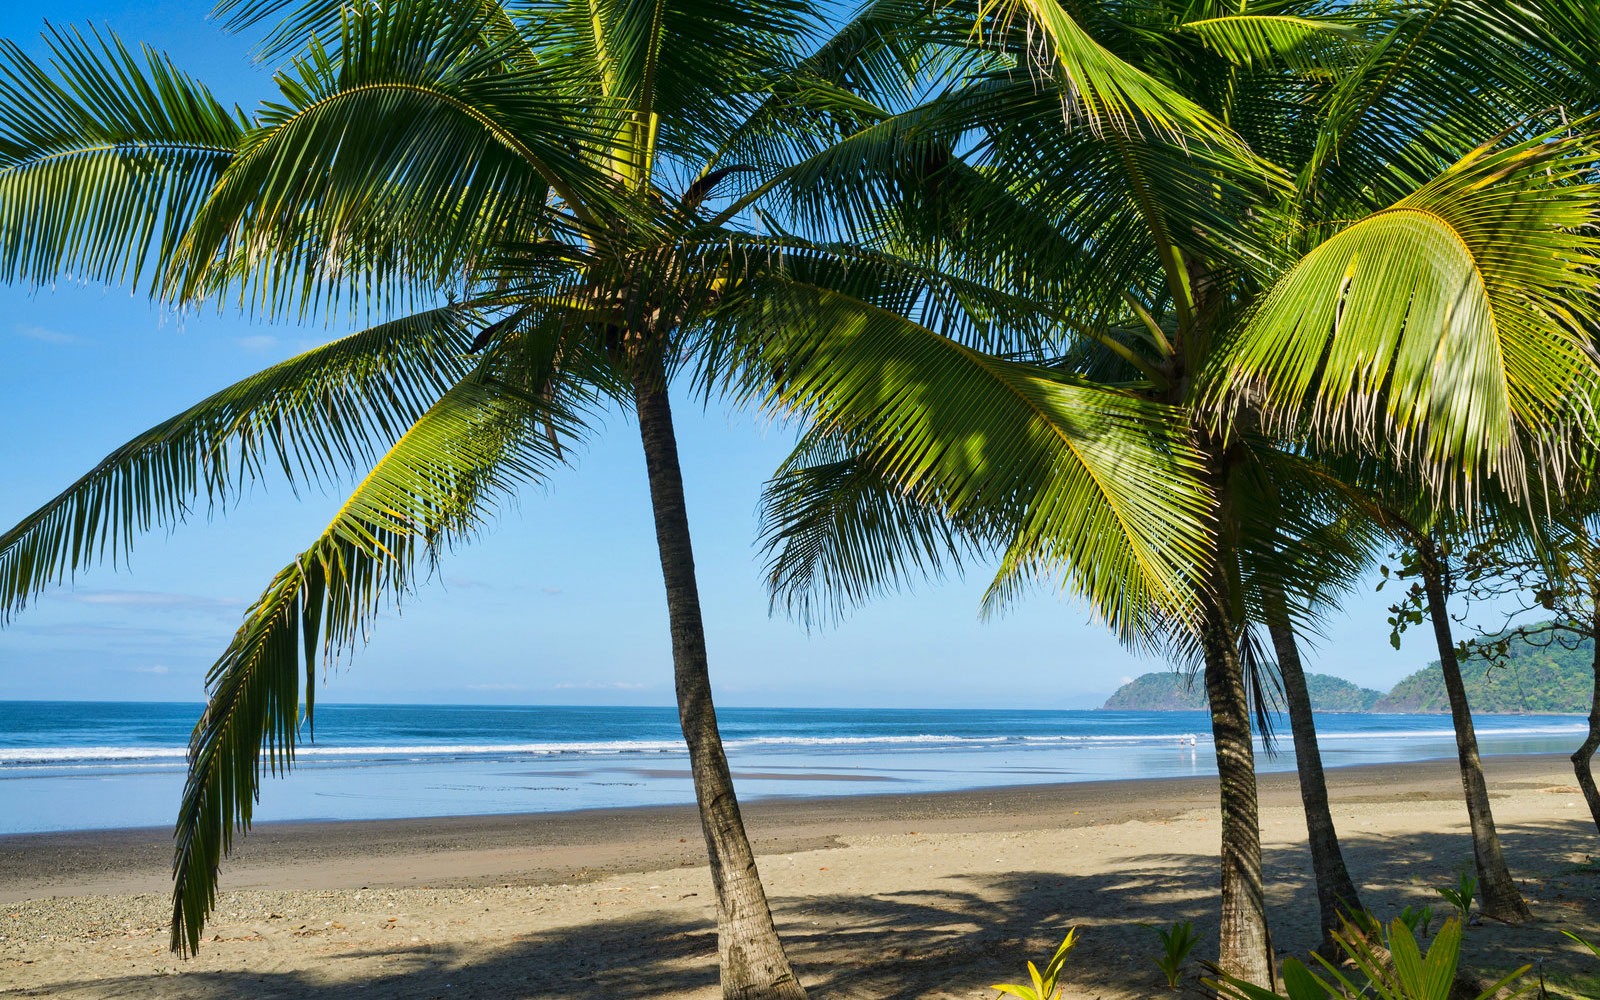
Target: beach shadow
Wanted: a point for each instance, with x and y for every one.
(622, 958)
(960, 929)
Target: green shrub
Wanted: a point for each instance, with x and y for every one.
(1400, 970)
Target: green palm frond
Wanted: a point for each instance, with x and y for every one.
(397, 157)
(1089, 481)
(1301, 43)
(836, 534)
(1445, 325)
(315, 416)
(1096, 87)
(431, 490)
(104, 159)
(299, 22)
(1477, 66)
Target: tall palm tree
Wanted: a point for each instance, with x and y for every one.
(1243, 211)
(538, 178)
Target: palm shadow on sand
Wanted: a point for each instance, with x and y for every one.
(958, 932)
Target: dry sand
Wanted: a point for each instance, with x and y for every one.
(890, 896)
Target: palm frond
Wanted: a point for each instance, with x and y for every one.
(315, 416)
(1445, 326)
(1305, 44)
(396, 157)
(105, 158)
(1096, 86)
(1090, 481)
(837, 533)
(431, 490)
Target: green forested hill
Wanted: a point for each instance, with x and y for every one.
(1551, 679)
(1168, 691)
(1534, 679)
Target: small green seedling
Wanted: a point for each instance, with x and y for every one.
(1418, 920)
(1460, 896)
(1045, 985)
(1176, 943)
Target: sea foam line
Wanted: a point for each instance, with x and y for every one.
(44, 756)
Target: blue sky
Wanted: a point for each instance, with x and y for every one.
(560, 603)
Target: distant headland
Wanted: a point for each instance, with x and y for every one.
(1550, 679)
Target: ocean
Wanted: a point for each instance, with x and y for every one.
(97, 765)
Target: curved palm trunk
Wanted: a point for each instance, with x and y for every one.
(1499, 895)
(754, 965)
(1246, 944)
(1584, 755)
(1336, 893)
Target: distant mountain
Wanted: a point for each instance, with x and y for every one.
(1534, 679)
(1169, 691)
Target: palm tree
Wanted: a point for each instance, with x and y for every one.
(1240, 216)
(537, 178)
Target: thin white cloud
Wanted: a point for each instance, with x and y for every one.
(150, 599)
(497, 687)
(258, 343)
(156, 669)
(43, 334)
(601, 686)
(551, 590)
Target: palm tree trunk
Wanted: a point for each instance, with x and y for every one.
(1244, 942)
(1336, 893)
(1499, 895)
(754, 965)
(1246, 945)
(1585, 754)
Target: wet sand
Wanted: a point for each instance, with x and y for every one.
(876, 895)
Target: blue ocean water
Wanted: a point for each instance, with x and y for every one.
(87, 765)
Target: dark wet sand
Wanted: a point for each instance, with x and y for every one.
(543, 848)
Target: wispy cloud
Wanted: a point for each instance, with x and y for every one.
(156, 669)
(601, 686)
(551, 590)
(43, 334)
(151, 599)
(258, 343)
(497, 687)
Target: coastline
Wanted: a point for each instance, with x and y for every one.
(539, 848)
(933, 895)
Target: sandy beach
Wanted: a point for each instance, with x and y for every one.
(876, 895)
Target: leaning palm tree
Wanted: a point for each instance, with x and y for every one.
(527, 190)
(1244, 212)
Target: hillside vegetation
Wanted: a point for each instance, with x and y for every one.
(1168, 691)
(1534, 679)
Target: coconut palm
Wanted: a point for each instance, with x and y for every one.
(530, 197)
(1238, 213)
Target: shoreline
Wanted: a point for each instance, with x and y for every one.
(933, 895)
(584, 844)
